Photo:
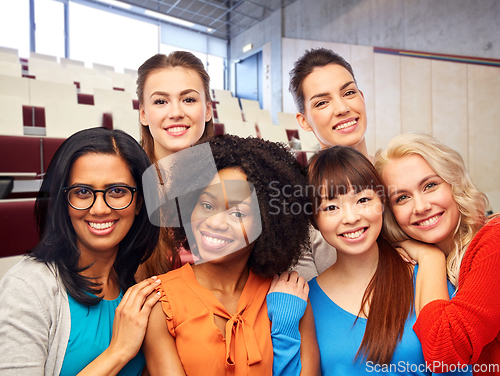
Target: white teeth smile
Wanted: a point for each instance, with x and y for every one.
(101, 226)
(177, 129)
(346, 125)
(353, 235)
(429, 221)
(215, 240)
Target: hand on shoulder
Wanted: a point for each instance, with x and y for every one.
(413, 251)
(290, 283)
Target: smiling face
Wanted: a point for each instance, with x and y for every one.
(334, 107)
(352, 222)
(422, 202)
(100, 229)
(175, 109)
(223, 221)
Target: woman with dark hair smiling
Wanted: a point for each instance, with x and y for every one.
(329, 104)
(212, 318)
(73, 306)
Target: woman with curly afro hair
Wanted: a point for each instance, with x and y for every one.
(243, 207)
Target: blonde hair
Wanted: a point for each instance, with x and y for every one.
(449, 165)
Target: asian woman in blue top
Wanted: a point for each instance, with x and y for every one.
(363, 304)
(73, 306)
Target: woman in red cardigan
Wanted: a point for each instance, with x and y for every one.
(433, 201)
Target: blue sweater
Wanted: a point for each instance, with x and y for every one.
(339, 340)
(285, 312)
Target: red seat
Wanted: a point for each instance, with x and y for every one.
(301, 158)
(218, 129)
(18, 226)
(292, 133)
(85, 99)
(20, 154)
(36, 114)
(49, 148)
(107, 120)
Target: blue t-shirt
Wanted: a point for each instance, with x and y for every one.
(339, 340)
(90, 335)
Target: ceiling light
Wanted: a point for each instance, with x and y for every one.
(247, 47)
(209, 30)
(116, 4)
(168, 18)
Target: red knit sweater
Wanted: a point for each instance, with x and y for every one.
(466, 329)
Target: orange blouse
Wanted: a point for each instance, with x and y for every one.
(247, 348)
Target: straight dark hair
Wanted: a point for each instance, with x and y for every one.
(57, 236)
(304, 66)
(390, 296)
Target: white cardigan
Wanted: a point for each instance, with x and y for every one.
(35, 320)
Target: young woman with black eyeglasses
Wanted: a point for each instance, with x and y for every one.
(73, 306)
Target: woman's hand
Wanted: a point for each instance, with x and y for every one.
(290, 283)
(129, 329)
(131, 317)
(412, 250)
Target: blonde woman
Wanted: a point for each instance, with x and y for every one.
(432, 200)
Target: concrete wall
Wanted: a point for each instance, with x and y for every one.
(457, 27)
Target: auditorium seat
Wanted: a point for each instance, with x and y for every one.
(240, 128)
(112, 100)
(34, 120)
(249, 106)
(308, 141)
(16, 219)
(122, 81)
(53, 74)
(39, 56)
(229, 101)
(11, 116)
(10, 55)
(15, 87)
(90, 81)
(218, 129)
(131, 72)
(253, 113)
(49, 147)
(64, 119)
(44, 92)
(221, 94)
(227, 113)
(10, 69)
(102, 69)
(287, 120)
(65, 62)
(85, 99)
(20, 154)
(272, 132)
(127, 120)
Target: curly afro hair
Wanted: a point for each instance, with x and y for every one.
(280, 186)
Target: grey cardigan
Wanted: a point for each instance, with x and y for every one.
(35, 320)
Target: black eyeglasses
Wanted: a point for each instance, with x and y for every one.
(117, 197)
